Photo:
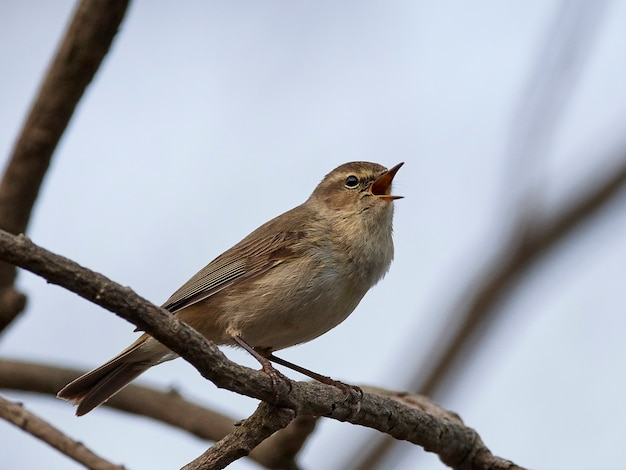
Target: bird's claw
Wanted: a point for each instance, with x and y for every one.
(353, 396)
(280, 383)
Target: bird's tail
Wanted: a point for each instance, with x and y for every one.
(100, 384)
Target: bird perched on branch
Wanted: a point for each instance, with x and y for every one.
(288, 282)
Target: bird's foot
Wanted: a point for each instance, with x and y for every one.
(353, 395)
(280, 383)
(352, 392)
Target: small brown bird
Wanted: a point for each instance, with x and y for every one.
(288, 282)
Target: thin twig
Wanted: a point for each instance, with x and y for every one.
(16, 414)
(86, 43)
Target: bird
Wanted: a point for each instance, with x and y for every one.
(289, 281)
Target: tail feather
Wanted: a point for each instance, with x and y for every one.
(97, 386)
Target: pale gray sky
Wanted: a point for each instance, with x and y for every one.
(208, 118)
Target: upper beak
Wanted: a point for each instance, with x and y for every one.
(382, 186)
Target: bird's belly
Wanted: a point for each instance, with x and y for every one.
(291, 313)
(290, 328)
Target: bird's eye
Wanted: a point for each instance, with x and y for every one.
(351, 182)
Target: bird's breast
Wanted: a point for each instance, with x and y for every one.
(294, 303)
(306, 295)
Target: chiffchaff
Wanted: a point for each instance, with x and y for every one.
(291, 280)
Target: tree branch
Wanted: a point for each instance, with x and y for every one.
(279, 451)
(264, 422)
(169, 407)
(165, 406)
(16, 414)
(86, 43)
(456, 445)
(533, 240)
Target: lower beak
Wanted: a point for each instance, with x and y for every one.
(382, 186)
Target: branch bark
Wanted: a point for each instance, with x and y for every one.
(457, 445)
(86, 43)
(264, 422)
(15, 414)
(168, 407)
(165, 406)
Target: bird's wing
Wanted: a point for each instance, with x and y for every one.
(246, 260)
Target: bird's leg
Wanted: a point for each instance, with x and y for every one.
(266, 366)
(309, 373)
(347, 389)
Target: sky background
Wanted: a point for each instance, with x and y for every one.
(209, 118)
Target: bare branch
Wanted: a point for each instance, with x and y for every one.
(16, 414)
(551, 84)
(454, 443)
(169, 407)
(86, 43)
(264, 422)
(533, 241)
(548, 91)
(480, 457)
(279, 451)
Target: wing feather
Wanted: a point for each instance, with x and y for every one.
(248, 259)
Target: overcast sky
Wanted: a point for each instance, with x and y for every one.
(209, 118)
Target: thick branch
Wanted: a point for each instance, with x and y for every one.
(14, 413)
(278, 451)
(168, 407)
(86, 42)
(455, 444)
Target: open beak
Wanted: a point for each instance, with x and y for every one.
(382, 186)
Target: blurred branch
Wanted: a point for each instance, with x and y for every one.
(551, 83)
(532, 242)
(279, 451)
(264, 422)
(457, 445)
(559, 63)
(15, 414)
(86, 42)
(549, 88)
(169, 407)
